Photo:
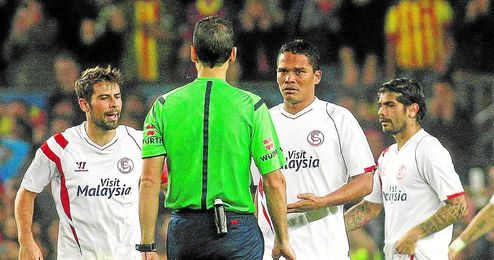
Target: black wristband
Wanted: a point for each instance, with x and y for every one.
(146, 247)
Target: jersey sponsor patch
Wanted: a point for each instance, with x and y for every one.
(298, 159)
(107, 187)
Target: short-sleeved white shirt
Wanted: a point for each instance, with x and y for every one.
(95, 189)
(412, 183)
(324, 146)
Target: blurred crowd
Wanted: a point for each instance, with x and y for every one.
(448, 46)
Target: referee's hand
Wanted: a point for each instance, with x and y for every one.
(285, 251)
(150, 256)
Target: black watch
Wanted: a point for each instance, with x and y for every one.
(146, 247)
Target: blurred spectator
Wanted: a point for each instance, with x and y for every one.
(474, 31)
(149, 50)
(194, 11)
(261, 24)
(7, 9)
(419, 44)
(134, 110)
(102, 37)
(318, 22)
(452, 124)
(62, 102)
(13, 154)
(30, 47)
(362, 23)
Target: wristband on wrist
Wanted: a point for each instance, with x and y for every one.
(457, 245)
(146, 247)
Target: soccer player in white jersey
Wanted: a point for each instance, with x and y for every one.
(93, 170)
(481, 224)
(415, 181)
(329, 162)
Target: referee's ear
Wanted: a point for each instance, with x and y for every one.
(193, 54)
(233, 55)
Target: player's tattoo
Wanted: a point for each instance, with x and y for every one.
(445, 216)
(360, 214)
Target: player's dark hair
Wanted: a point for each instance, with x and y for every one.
(84, 86)
(300, 46)
(213, 40)
(409, 92)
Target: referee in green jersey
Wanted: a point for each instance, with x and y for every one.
(209, 131)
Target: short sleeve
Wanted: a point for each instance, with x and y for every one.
(40, 173)
(376, 195)
(265, 146)
(436, 167)
(153, 131)
(354, 146)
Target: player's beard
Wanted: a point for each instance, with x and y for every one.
(397, 129)
(103, 123)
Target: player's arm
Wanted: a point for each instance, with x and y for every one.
(453, 210)
(149, 197)
(275, 190)
(355, 189)
(24, 208)
(481, 224)
(361, 214)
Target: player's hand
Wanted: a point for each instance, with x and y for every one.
(284, 250)
(307, 201)
(407, 244)
(150, 256)
(30, 251)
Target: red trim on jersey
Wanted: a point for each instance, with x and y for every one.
(265, 213)
(456, 195)
(61, 140)
(368, 169)
(385, 151)
(261, 191)
(64, 194)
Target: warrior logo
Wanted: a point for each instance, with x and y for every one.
(315, 138)
(125, 165)
(81, 167)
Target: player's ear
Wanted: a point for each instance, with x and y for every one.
(413, 110)
(83, 105)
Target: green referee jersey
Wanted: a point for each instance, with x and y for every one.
(210, 131)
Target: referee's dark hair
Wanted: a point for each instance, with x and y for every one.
(213, 40)
(300, 46)
(409, 92)
(84, 86)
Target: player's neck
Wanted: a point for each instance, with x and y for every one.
(294, 108)
(403, 137)
(98, 135)
(204, 71)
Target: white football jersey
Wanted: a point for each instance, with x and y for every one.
(412, 183)
(95, 189)
(324, 146)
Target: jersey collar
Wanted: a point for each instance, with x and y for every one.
(301, 112)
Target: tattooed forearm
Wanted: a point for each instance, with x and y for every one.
(481, 224)
(361, 214)
(448, 214)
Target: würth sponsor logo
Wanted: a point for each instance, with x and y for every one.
(80, 167)
(125, 165)
(315, 138)
(268, 143)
